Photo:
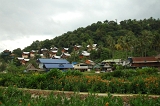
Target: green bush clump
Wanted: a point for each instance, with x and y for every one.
(126, 73)
(54, 73)
(73, 72)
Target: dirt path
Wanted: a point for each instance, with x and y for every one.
(82, 94)
(46, 92)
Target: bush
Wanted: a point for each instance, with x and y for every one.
(73, 72)
(54, 73)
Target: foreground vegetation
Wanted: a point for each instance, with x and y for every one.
(143, 81)
(13, 97)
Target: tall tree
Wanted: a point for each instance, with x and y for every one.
(111, 44)
(145, 40)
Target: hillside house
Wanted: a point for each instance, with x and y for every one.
(22, 60)
(48, 64)
(64, 50)
(52, 53)
(93, 47)
(84, 54)
(77, 47)
(65, 55)
(54, 48)
(45, 52)
(25, 55)
(33, 53)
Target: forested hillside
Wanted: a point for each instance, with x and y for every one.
(118, 40)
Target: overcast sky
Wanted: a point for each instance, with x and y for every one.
(25, 21)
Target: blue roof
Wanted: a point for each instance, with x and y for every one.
(58, 66)
(55, 61)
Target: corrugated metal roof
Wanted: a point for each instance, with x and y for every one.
(112, 60)
(55, 61)
(144, 59)
(58, 66)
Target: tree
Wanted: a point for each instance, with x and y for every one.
(90, 44)
(145, 40)
(127, 42)
(17, 52)
(111, 44)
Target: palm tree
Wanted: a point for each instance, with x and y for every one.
(111, 43)
(145, 40)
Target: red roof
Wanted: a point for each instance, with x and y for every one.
(144, 59)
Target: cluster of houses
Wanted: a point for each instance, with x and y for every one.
(104, 66)
(52, 53)
(49, 60)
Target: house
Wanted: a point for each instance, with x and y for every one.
(81, 66)
(25, 54)
(77, 47)
(48, 64)
(64, 50)
(31, 67)
(113, 61)
(144, 62)
(54, 48)
(52, 53)
(106, 67)
(65, 55)
(90, 64)
(22, 60)
(97, 68)
(84, 54)
(45, 52)
(92, 47)
(33, 53)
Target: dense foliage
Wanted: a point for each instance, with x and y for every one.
(144, 81)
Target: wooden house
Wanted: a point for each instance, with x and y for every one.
(84, 54)
(144, 62)
(77, 47)
(25, 54)
(92, 47)
(22, 60)
(65, 55)
(52, 53)
(64, 50)
(81, 66)
(33, 53)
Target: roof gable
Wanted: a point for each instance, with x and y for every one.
(144, 59)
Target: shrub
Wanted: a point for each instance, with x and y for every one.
(54, 73)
